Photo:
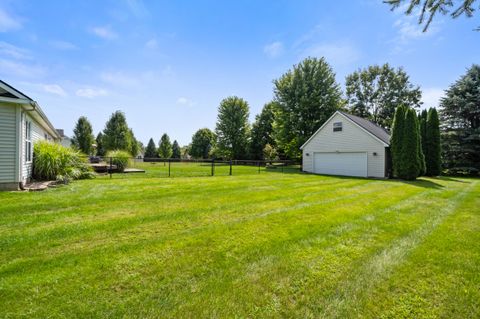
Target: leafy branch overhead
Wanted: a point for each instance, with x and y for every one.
(429, 8)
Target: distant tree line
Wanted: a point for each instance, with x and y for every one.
(303, 99)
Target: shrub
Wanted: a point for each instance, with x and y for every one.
(120, 158)
(53, 161)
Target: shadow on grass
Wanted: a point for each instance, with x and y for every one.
(422, 183)
(450, 179)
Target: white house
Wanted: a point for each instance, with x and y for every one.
(348, 145)
(22, 122)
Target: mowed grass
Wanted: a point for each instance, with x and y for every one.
(252, 245)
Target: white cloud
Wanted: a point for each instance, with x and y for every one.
(273, 49)
(54, 89)
(184, 101)
(104, 32)
(17, 69)
(137, 7)
(63, 45)
(431, 97)
(118, 78)
(91, 93)
(13, 51)
(152, 44)
(8, 22)
(335, 53)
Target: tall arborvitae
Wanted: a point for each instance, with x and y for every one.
(176, 151)
(409, 166)
(151, 150)
(423, 129)
(421, 155)
(397, 138)
(433, 159)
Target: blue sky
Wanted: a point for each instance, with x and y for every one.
(168, 64)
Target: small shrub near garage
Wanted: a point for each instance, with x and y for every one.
(121, 159)
(52, 161)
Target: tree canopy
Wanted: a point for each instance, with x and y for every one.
(307, 96)
(165, 147)
(117, 135)
(100, 148)
(176, 151)
(151, 149)
(83, 138)
(262, 131)
(460, 123)
(427, 9)
(432, 144)
(376, 91)
(232, 128)
(203, 141)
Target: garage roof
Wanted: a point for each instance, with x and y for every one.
(371, 127)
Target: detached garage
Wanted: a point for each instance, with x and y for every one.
(348, 145)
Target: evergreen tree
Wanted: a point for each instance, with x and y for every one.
(410, 166)
(307, 96)
(460, 124)
(203, 142)
(165, 147)
(176, 151)
(135, 145)
(83, 138)
(262, 131)
(100, 149)
(421, 156)
(433, 159)
(117, 134)
(396, 139)
(232, 128)
(151, 150)
(423, 130)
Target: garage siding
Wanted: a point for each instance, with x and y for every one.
(351, 139)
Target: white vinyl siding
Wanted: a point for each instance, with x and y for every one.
(37, 133)
(351, 138)
(7, 142)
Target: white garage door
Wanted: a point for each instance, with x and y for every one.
(342, 163)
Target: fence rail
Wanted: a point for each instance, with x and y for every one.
(168, 167)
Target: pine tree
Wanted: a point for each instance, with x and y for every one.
(117, 134)
(423, 130)
(83, 138)
(421, 156)
(100, 149)
(410, 166)
(165, 147)
(397, 138)
(176, 151)
(433, 160)
(151, 150)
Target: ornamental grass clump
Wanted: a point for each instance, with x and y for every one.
(52, 161)
(121, 159)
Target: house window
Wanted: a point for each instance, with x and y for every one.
(28, 141)
(337, 126)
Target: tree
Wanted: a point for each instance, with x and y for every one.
(409, 166)
(83, 138)
(460, 123)
(376, 91)
(422, 119)
(100, 148)
(429, 8)
(307, 96)
(269, 152)
(151, 150)
(176, 151)
(165, 147)
(421, 156)
(396, 139)
(432, 148)
(232, 128)
(262, 131)
(203, 141)
(117, 135)
(135, 146)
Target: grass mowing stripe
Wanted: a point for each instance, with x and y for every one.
(383, 264)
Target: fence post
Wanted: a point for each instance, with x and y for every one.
(110, 167)
(168, 167)
(230, 167)
(213, 167)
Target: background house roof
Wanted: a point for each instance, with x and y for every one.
(371, 127)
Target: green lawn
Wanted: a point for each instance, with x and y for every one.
(251, 245)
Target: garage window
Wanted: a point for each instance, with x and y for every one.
(337, 126)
